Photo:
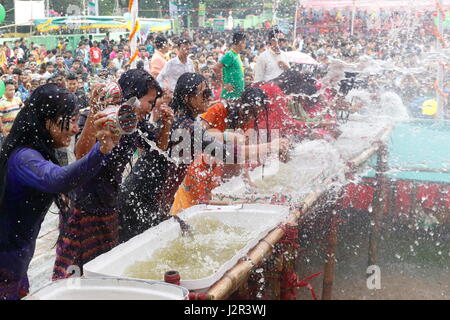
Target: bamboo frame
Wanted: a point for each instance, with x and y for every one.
(378, 207)
(289, 254)
(432, 170)
(235, 277)
(328, 274)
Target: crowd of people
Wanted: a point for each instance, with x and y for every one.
(213, 87)
(364, 20)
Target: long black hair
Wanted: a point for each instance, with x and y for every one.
(186, 86)
(47, 102)
(137, 83)
(295, 82)
(251, 100)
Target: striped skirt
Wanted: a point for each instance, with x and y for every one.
(82, 237)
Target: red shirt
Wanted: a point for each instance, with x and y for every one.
(96, 55)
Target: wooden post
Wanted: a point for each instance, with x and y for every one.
(289, 252)
(330, 262)
(380, 197)
(272, 275)
(236, 276)
(391, 199)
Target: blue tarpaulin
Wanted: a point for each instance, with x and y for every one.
(418, 150)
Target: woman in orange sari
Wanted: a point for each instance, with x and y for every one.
(203, 175)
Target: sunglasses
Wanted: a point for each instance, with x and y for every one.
(206, 94)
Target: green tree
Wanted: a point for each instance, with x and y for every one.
(106, 8)
(9, 8)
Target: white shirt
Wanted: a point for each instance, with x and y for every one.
(172, 70)
(300, 45)
(118, 63)
(267, 67)
(47, 75)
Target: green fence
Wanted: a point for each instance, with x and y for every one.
(51, 41)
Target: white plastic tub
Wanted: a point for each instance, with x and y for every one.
(108, 289)
(311, 163)
(259, 218)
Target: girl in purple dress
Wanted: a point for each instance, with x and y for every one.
(31, 178)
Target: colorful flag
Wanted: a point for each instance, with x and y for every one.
(92, 8)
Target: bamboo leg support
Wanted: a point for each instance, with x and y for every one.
(328, 277)
(272, 276)
(235, 277)
(380, 197)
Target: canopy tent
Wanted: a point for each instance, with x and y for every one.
(385, 4)
(97, 22)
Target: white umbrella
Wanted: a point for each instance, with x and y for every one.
(300, 57)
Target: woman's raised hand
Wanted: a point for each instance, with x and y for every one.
(107, 139)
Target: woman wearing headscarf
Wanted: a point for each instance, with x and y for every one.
(147, 193)
(31, 178)
(90, 227)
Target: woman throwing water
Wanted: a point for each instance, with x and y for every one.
(147, 193)
(31, 178)
(226, 121)
(90, 226)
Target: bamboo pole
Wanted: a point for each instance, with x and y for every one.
(378, 207)
(328, 275)
(224, 287)
(272, 275)
(431, 170)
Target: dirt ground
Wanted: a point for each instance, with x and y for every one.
(414, 263)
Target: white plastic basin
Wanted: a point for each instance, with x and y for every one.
(259, 218)
(108, 289)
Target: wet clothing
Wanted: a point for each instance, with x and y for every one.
(172, 71)
(147, 194)
(203, 176)
(267, 67)
(32, 183)
(90, 228)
